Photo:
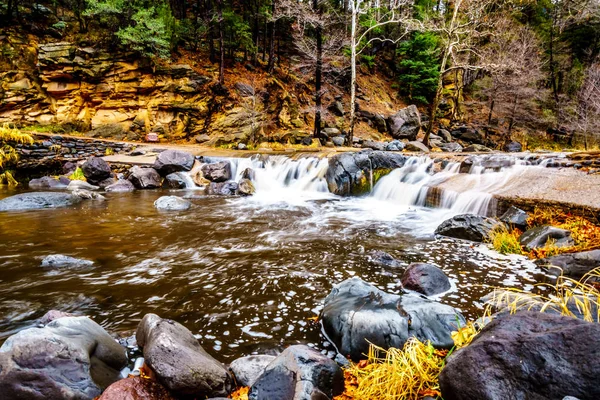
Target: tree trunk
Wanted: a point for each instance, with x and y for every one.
(221, 44)
(271, 64)
(353, 45)
(318, 77)
(511, 124)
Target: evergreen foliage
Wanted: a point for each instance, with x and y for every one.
(419, 67)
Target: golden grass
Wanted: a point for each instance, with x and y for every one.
(77, 175)
(8, 155)
(505, 241)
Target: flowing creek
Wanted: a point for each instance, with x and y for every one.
(248, 274)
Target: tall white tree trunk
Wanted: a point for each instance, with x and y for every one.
(354, 4)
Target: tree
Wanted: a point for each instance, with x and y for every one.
(366, 27)
(585, 118)
(418, 68)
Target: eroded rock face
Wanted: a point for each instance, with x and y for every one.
(247, 370)
(145, 178)
(95, 170)
(426, 279)
(217, 172)
(178, 360)
(405, 124)
(356, 313)
(136, 388)
(468, 227)
(172, 203)
(528, 355)
(38, 200)
(350, 173)
(170, 161)
(299, 373)
(70, 358)
(542, 235)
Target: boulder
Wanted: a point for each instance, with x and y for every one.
(515, 217)
(357, 313)
(136, 388)
(528, 355)
(247, 370)
(574, 265)
(451, 147)
(81, 185)
(107, 182)
(426, 279)
(172, 203)
(69, 358)
(445, 135)
(382, 258)
(540, 236)
(372, 144)
(394, 145)
(299, 373)
(471, 135)
(38, 200)
(350, 173)
(46, 182)
(95, 170)
(468, 227)
(217, 172)
(405, 124)
(122, 185)
(87, 195)
(513, 147)
(203, 138)
(107, 131)
(62, 261)
(179, 362)
(170, 161)
(245, 187)
(145, 178)
(338, 140)
(416, 146)
(229, 188)
(176, 180)
(477, 148)
(52, 315)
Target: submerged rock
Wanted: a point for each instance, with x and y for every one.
(38, 200)
(356, 313)
(69, 358)
(145, 178)
(405, 124)
(351, 173)
(46, 182)
(95, 170)
(172, 203)
(122, 185)
(87, 195)
(136, 388)
(77, 185)
(62, 261)
(528, 355)
(540, 236)
(383, 258)
(170, 161)
(574, 265)
(468, 227)
(426, 279)
(178, 360)
(217, 172)
(299, 373)
(247, 370)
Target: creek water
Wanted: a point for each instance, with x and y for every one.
(246, 274)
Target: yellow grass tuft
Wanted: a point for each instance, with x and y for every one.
(505, 241)
(77, 175)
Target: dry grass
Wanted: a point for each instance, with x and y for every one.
(77, 175)
(505, 241)
(8, 155)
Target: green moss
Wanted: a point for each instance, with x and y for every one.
(363, 186)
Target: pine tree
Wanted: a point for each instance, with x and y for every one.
(419, 67)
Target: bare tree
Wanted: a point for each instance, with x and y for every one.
(585, 117)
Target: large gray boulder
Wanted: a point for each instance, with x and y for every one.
(46, 182)
(405, 124)
(350, 173)
(172, 203)
(540, 236)
(299, 373)
(38, 200)
(515, 217)
(145, 178)
(425, 278)
(528, 355)
(120, 186)
(468, 227)
(170, 161)
(247, 370)
(95, 170)
(356, 313)
(81, 185)
(178, 360)
(416, 146)
(574, 265)
(229, 188)
(217, 172)
(176, 180)
(70, 358)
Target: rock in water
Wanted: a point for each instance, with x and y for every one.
(513, 147)
(245, 187)
(170, 161)
(178, 360)
(516, 217)
(299, 373)
(136, 388)
(426, 279)
(120, 186)
(356, 312)
(246, 370)
(62, 261)
(77, 185)
(229, 188)
(95, 170)
(145, 178)
(405, 124)
(540, 236)
(176, 180)
(172, 203)
(382, 258)
(575, 265)
(217, 172)
(70, 358)
(46, 182)
(38, 200)
(467, 226)
(528, 355)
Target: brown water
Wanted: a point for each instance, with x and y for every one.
(244, 275)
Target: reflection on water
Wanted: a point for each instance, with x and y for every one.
(241, 273)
